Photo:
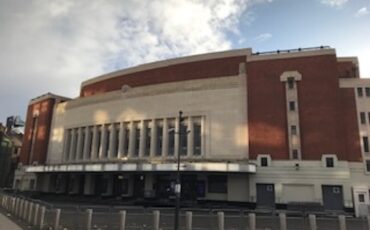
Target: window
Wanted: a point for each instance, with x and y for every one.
(264, 162)
(368, 117)
(291, 106)
(81, 150)
(159, 146)
(91, 135)
(126, 142)
(365, 142)
(171, 140)
(116, 130)
(359, 92)
(98, 139)
(290, 82)
(361, 198)
(293, 130)
(362, 118)
(148, 137)
(107, 142)
(368, 165)
(74, 142)
(217, 184)
(184, 139)
(137, 140)
(329, 161)
(67, 143)
(197, 151)
(367, 91)
(295, 154)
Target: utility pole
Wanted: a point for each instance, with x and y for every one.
(178, 178)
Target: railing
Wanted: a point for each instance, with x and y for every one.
(292, 50)
(38, 215)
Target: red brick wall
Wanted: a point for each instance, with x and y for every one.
(45, 109)
(346, 70)
(186, 71)
(320, 108)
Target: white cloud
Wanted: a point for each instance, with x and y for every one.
(54, 45)
(334, 3)
(263, 37)
(361, 12)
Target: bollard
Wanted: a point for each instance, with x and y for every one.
(42, 217)
(122, 217)
(252, 221)
(20, 209)
(16, 206)
(342, 222)
(13, 205)
(156, 216)
(57, 218)
(35, 217)
(282, 217)
(89, 219)
(30, 211)
(312, 220)
(221, 220)
(189, 220)
(368, 222)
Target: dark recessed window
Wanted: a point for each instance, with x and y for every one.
(293, 130)
(264, 162)
(368, 165)
(360, 92)
(159, 140)
(291, 105)
(197, 139)
(365, 141)
(291, 82)
(329, 162)
(217, 184)
(171, 140)
(362, 118)
(295, 154)
(137, 140)
(367, 91)
(126, 142)
(148, 137)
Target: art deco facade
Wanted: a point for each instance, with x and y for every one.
(262, 128)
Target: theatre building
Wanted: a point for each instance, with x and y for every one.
(261, 128)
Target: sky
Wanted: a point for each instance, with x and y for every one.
(54, 45)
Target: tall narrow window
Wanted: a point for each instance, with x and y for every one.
(159, 140)
(365, 141)
(368, 165)
(293, 130)
(148, 136)
(291, 82)
(184, 139)
(329, 162)
(359, 92)
(81, 150)
(171, 140)
(367, 91)
(74, 147)
(291, 105)
(116, 129)
(295, 154)
(91, 130)
(107, 141)
(264, 161)
(98, 139)
(67, 143)
(362, 118)
(126, 140)
(137, 140)
(197, 139)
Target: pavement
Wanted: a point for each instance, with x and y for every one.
(7, 224)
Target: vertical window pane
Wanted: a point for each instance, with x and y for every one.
(148, 136)
(291, 83)
(359, 92)
(368, 165)
(295, 154)
(197, 139)
(83, 135)
(158, 151)
(75, 140)
(67, 144)
(98, 139)
(116, 129)
(294, 130)
(107, 141)
(137, 140)
(365, 141)
(362, 118)
(292, 106)
(184, 139)
(171, 140)
(91, 130)
(126, 140)
(367, 91)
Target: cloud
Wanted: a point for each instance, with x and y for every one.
(263, 37)
(334, 3)
(54, 45)
(361, 12)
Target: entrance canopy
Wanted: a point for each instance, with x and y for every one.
(146, 167)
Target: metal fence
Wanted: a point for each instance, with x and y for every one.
(36, 214)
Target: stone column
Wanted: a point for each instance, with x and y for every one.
(131, 145)
(94, 147)
(112, 141)
(87, 144)
(165, 138)
(72, 149)
(153, 138)
(103, 143)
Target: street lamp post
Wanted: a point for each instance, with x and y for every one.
(178, 179)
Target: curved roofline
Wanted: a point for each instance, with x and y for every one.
(169, 62)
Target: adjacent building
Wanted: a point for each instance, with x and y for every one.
(262, 128)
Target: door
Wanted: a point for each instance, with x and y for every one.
(332, 196)
(139, 181)
(189, 187)
(265, 195)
